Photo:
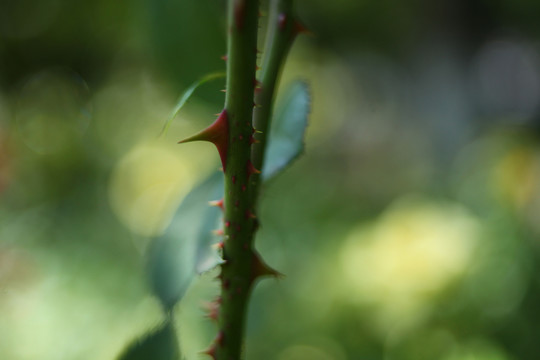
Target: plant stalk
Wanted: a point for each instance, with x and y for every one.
(236, 273)
(243, 265)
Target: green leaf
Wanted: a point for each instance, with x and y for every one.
(186, 246)
(186, 95)
(286, 140)
(160, 344)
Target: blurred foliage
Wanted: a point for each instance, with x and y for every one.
(409, 230)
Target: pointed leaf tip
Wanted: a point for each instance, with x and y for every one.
(160, 344)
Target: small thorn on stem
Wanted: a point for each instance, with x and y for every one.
(251, 169)
(218, 203)
(282, 21)
(250, 215)
(300, 28)
(211, 351)
(218, 245)
(261, 269)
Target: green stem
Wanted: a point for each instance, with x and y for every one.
(242, 264)
(281, 33)
(236, 272)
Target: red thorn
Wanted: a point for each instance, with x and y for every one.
(218, 203)
(239, 13)
(244, 187)
(225, 57)
(220, 338)
(257, 67)
(211, 351)
(227, 223)
(250, 215)
(257, 83)
(212, 310)
(282, 21)
(217, 133)
(240, 137)
(218, 245)
(233, 179)
(251, 169)
(261, 269)
(300, 28)
(218, 232)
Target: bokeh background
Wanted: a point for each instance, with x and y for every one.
(409, 230)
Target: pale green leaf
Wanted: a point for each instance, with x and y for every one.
(286, 140)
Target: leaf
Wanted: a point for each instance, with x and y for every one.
(286, 140)
(186, 95)
(161, 344)
(186, 247)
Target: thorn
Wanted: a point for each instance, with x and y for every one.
(212, 310)
(220, 338)
(217, 133)
(257, 83)
(239, 13)
(251, 169)
(211, 351)
(223, 90)
(282, 21)
(261, 269)
(233, 179)
(218, 203)
(300, 28)
(218, 245)
(250, 215)
(225, 57)
(244, 187)
(218, 232)
(227, 223)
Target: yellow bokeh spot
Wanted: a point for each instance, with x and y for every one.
(412, 253)
(147, 184)
(516, 176)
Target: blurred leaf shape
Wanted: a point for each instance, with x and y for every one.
(160, 344)
(187, 94)
(186, 247)
(286, 141)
